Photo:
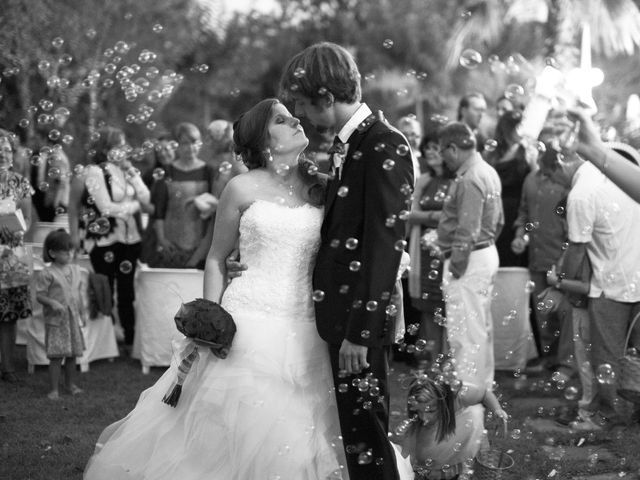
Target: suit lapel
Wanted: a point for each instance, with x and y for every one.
(354, 144)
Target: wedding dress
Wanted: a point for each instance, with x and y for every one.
(268, 410)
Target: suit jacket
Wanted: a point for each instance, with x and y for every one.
(363, 236)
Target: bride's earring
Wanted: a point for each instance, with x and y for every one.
(268, 156)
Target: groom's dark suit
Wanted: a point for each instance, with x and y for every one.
(356, 268)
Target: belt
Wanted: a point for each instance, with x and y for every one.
(477, 246)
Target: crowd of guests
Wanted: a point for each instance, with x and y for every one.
(117, 214)
(558, 216)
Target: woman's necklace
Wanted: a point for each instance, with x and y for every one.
(288, 186)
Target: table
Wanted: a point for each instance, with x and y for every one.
(159, 294)
(513, 341)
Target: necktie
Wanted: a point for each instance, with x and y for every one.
(337, 151)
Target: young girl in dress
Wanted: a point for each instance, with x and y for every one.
(59, 288)
(445, 426)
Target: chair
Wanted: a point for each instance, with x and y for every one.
(159, 294)
(513, 340)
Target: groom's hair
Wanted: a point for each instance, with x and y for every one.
(320, 69)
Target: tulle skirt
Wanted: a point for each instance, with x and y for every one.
(267, 411)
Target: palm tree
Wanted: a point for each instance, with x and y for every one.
(614, 24)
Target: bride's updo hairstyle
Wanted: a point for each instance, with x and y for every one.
(251, 140)
(251, 134)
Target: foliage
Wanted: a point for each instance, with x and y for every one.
(146, 65)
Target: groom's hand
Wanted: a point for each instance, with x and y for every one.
(233, 265)
(353, 357)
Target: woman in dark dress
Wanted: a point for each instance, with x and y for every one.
(513, 161)
(425, 276)
(183, 227)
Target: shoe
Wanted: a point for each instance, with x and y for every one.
(55, 396)
(10, 377)
(586, 423)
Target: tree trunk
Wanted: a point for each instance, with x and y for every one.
(24, 92)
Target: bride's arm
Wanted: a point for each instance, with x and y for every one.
(225, 237)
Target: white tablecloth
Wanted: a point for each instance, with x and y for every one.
(159, 294)
(513, 340)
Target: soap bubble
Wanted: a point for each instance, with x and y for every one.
(571, 393)
(57, 42)
(343, 191)
(470, 58)
(365, 458)
(605, 374)
(490, 145)
(514, 91)
(126, 267)
(318, 295)
(402, 149)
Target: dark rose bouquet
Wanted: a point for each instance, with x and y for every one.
(207, 323)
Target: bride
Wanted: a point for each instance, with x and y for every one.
(268, 410)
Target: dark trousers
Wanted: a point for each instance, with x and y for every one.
(553, 331)
(118, 263)
(364, 417)
(610, 322)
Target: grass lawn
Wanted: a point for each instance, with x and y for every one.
(44, 440)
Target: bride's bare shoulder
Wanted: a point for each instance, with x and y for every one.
(242, 190)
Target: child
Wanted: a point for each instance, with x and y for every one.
(446, 427)
(573, 282)
(59, 288)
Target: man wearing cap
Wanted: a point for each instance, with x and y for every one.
(472, 218)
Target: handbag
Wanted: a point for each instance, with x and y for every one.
(629, 383)
(16, 266)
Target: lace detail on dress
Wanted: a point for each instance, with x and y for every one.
(278, 243)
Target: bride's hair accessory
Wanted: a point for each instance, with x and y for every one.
(209, 325)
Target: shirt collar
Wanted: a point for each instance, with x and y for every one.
(466, 165)
(359, 115)
(582, 170)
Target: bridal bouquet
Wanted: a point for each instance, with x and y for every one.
(209, 325)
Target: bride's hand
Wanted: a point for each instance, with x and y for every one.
(353, 357)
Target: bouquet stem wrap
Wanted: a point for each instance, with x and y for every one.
(187, 356)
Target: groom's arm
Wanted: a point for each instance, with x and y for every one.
(387, 192)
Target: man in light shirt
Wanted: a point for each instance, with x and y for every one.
(472, 218)
(604, 223)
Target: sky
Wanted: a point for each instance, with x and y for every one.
(242, 5)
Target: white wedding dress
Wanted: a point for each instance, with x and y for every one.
(268, 410)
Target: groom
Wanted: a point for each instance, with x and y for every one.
(362, 242)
